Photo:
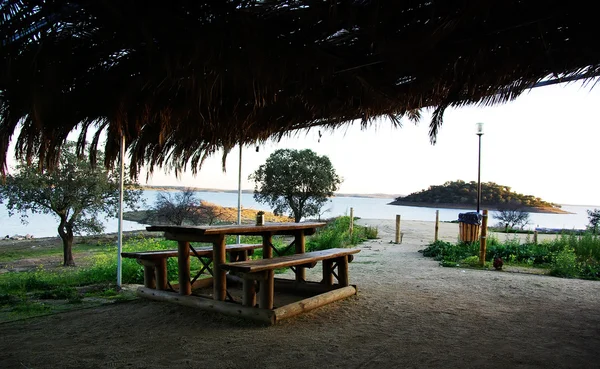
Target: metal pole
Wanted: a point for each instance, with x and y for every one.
(239, 215)
(479, 176)
(120, 231)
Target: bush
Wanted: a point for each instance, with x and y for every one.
(337, 234)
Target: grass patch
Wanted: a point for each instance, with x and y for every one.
(570, 255)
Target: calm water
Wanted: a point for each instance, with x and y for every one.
(41, 225)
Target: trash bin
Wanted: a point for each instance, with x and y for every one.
(468, 226)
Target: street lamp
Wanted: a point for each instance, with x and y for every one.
(479, 133)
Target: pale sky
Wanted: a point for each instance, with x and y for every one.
(543, 144)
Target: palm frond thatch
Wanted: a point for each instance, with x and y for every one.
(181, 79)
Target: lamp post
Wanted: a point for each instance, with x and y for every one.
(479, 133)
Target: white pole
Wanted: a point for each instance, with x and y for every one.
(239, 217)
(120, 232)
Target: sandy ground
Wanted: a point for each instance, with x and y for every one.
(409, 313)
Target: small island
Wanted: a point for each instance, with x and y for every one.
(460, 195)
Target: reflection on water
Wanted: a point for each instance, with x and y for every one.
(41, 225)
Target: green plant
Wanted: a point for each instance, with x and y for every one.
(565, 264)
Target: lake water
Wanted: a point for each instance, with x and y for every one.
(41, 225)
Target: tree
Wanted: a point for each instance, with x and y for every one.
(594, 218)
(75, 192)
(512, 216)
(295, 182)
(178, 207)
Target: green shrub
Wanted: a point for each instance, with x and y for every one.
(565, 264)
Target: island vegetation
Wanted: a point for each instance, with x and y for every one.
(461, 194)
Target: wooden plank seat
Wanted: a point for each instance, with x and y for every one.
(262, 270)
(155, 262)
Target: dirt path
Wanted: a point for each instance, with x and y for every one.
(410, 313)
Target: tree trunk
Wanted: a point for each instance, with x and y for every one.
(66, 234)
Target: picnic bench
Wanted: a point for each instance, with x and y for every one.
(155, 262)
(255, 275)
(262, 270)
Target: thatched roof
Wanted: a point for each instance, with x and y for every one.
(181, 79)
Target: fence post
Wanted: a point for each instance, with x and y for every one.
(351, 220)
(437, 225)
(535, 234)
(398, 233)
(483, 239)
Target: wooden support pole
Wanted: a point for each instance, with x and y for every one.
(535, 237)
(267, 241)
(161, 274)
(149, 278)
(437, 225)
(266, 291)
(227, 308)
(311, 303)
(220, 278)
(483, 239)
(249, 290)
(300, 244)
(398, 236)
(351, 221)
(342, 266)
(327, 272)
(183, 260)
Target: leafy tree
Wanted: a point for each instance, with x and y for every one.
(594, 218)
(178, 207)
(512, 216)
(75, 192)
(298, 182)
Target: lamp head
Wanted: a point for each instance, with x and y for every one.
(479, 129)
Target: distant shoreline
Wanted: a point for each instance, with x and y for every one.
(467, 206)
(198, 189)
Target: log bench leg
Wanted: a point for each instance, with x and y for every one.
(161, 274)
(342, 266)
(266, 290)
(149, 278)
(249, 297)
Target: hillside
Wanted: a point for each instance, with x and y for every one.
(461, 194)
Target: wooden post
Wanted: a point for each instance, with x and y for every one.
(300, 245)
(437, 225)
(220, 275)
(398, 233)
(342, 266)
(249, 290)
(483, 239)
(183, 260)
(351, 220)
(149, 280)
(266, 290)
(535, 237)
(327, 272)
(267, 241)
(161, 274)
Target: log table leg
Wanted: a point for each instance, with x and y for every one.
(161, 274)
(220, 275)
(342, 266)
(328, 272)
(266, 290)
(300, 244)
(267, 242)
(183, 259)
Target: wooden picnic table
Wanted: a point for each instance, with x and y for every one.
(255, 273)
(216, 235)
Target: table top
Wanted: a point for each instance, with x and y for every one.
(235, 229)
